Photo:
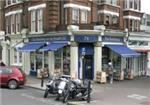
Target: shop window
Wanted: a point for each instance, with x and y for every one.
(66, 60)
(58, 59)
(62, 61)
(32, 61)
(39, 59)
(46, 60)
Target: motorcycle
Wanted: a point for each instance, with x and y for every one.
(62, 87)
(52, 85)
(77, 90)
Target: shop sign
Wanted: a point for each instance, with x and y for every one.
(86, 38)
(50, 38)
(112, 39)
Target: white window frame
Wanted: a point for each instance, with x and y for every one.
(66, 15)
(84, 16)
(18, 23)
(75, 16)
(40, 20)
(18, 59)
(33, 21)
(7, 25)
(12, 24)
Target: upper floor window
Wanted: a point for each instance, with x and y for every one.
(7, 25)
(18, 22)
(131, 4)
(37, 20)
(12, 23)
(84, 16)
(112, 2)
(10, 2)
(75, 15)
(33, 21)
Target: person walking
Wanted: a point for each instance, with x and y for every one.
(110, 72)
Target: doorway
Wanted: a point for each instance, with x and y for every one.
(86, 61)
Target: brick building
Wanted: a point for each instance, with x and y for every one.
(71, 36)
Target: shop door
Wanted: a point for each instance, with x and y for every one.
(87, 67)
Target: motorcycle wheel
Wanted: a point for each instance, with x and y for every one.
(46, 93)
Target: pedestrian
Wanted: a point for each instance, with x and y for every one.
(110, 72)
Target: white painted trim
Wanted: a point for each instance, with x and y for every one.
(13, 12)
(77, 6)
(130, 9)
(131, 17)
(37, 7)
(109, 12)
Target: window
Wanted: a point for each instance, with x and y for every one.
(131, 4)
(7, 25)
(17, 22)
(84, 16)
(17, 57)
(114, 20)
(107, 20)
(12, 23)
(62, 61)
(39, 20)
(75, 15)
(135, 4)
(33, 21)
(5, 71)
(66, 16)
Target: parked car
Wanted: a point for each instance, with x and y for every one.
(11, 77)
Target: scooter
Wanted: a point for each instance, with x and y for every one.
(78, 90)
(52, 86)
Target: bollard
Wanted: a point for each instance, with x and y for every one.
(89, 91)
(42, 80)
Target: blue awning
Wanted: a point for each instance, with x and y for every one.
(123, 50)
(54, 46)
(31, 46)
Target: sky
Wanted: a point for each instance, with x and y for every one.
(145, 6)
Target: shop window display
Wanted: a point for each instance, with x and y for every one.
(62, 61)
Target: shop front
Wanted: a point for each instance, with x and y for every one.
(120, 55)
(141, 45)
(49, 53)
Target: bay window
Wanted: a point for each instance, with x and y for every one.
(75, 16)
(12, 23)
(17, 23)
(39, 20)
(33, 19)
(84, 16)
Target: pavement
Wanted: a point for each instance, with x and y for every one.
(126, 92)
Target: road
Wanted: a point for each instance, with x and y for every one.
(26, 96)
(127, 92)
